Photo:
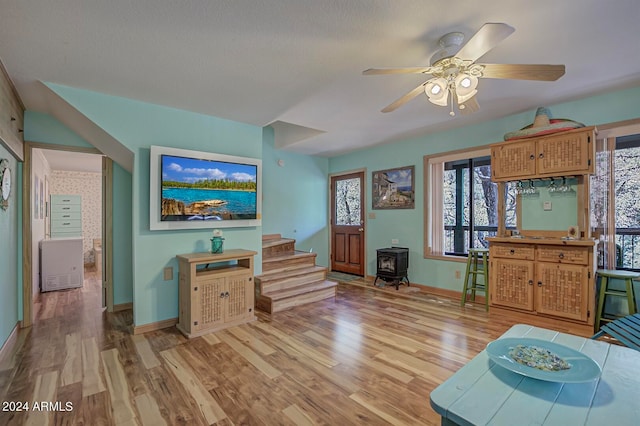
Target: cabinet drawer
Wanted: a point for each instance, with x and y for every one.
(66, 215)
(561, 254)
(57, 199)
(512, 251)
(63, 225)
(67, 233)
(65, 208)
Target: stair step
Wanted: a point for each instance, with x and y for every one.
(277, 242)
(313, 293)
(290, 272)
(301, 289)
(274, 282)
(283, 262)
(277, 247)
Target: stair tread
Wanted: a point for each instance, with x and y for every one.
(283, 275)
(288, 256)
(301, 289)
(277, 242)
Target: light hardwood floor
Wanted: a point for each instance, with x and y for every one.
(367, 357)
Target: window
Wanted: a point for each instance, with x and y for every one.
(615, 202)
(462, 205)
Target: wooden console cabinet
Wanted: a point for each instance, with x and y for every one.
(561, 154)
(216, 291)
(547, 276)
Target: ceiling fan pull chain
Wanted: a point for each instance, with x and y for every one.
(452, 112)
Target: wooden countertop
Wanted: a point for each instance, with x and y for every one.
(209, 257)
(546, 241)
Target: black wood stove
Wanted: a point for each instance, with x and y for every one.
(392, 265)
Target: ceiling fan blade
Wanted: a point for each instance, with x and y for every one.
(414, 70)
(523, 72)
(404, 99)
(470, 106)
(484, 40)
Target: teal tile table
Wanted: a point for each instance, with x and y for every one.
(484, 393)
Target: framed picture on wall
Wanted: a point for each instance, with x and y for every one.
(41, 199)
(36, 198)
(393, 188)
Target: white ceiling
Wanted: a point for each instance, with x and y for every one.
(300, 62)
(73, 161)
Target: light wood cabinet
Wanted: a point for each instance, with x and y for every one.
(11, 116)
(548, 277)
(216, 291)
(562, 154)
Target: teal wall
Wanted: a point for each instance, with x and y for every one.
(10, 286)
(123, 249)
(563, 213)
(295, 198)
(43, 128)
(408, 225)
(138, 125)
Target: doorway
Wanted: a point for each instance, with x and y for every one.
(347, 223)
(50, 169)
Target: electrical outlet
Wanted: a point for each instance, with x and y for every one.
(168, 273)
(458, 274)
(395, 241)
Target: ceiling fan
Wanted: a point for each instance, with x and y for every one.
(455, 72)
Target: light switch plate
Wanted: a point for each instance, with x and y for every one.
(168, 273)
(395, 241)
(546, 205)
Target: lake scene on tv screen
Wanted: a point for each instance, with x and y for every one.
(196, 189)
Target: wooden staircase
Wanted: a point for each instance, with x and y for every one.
(289, 277)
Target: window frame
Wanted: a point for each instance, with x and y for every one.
(606, 142)
(433, 166)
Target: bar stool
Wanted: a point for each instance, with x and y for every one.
(473, 270)
(605, 276)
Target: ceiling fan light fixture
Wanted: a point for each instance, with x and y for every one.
(436, 90)
(465, 87)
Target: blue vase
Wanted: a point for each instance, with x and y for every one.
(217, 244)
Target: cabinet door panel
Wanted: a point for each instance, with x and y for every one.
(207, 304)
(513, 160)
(565, 153)
(561, 290)
(512, 283)
(240, 297)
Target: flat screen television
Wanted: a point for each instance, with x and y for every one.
(195, 189)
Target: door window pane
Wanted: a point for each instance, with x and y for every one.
(348, 202)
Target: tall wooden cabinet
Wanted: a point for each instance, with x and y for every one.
(11, 115)
(541, 271)
(216, 291)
